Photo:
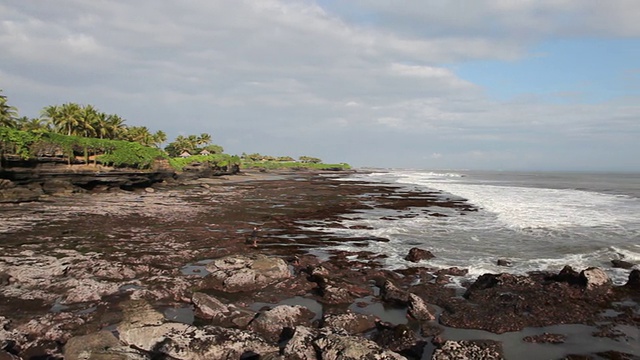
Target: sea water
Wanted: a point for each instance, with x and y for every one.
(537, 221)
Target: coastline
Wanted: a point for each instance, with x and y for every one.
(99, 251)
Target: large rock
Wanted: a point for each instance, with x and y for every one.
(209, 308)
(335, 291)
(350, 322)
(594, 278)
(59, 187)
(102, 345)
(270, 323)
(622, 264)
(634, 280)
(340, 347)
(18, 194)
(400, 339)
(469, 349)
(419, 310)
(300, 346)
(147, 337)
(506, 302)
(241, 273)
(417, 254)
(213, 342)
(393, 294)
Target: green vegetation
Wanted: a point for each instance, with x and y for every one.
(216, 160)
(275, 165)
(75, 131)
(39, 143)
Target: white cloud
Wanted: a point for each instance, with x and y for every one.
(270, 69)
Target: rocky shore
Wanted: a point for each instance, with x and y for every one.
(169, 271)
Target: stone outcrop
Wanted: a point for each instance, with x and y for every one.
(622, 264)
(209, 308)
(391, 293)
(270, 323)
(213, 342)
(505, 302)
(419, 309)
(634, 280)
(241, 273)
(416, 254)
(350, 322)
(594, 278)
(300, 346)
(400, 339)
(341, 347)
(469, 349)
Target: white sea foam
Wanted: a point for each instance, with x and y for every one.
(539, 208)
(537, 228)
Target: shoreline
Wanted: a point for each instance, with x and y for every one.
(157, 246)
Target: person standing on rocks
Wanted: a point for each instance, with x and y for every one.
(254, 236)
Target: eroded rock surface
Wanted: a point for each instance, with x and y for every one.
(469, 349)
(242, 273)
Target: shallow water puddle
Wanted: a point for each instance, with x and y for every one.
(181, 314)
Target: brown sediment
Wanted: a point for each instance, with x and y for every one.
(71, 261)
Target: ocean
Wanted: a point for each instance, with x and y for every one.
(536, 220)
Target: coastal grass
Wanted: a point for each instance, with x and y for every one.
(215, 160)
(292, 165)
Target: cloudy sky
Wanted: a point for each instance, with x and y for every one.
(435, 84)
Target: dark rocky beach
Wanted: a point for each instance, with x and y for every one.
(167, 269)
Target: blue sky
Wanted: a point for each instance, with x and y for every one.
(487, 84)
(563, 70)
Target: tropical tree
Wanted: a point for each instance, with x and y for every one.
(214, 149)
(116, 127)
(309, 159)
(141, 135)
(180, 145)
(87, 121)
(65, 118)
(48, 113)
(8, 113)
(101, 125)
(159, 137)
(26, 124)
(203, 139)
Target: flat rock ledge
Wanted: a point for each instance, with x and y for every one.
(239, 273)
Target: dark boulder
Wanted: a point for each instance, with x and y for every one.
(634, 280)
(621, 264)
(271, 323)
(393, 294)
(504, 262)
(417, 254)
(400, 339)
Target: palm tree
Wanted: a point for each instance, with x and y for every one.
(8, 114)
(26, 124)
(158, 138)
(101, 125)
(49, 113)
(87, 117)
(116, 127)
(67, 118)
(203, 139)
(140, 134)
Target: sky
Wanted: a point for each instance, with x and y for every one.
(424, 84)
